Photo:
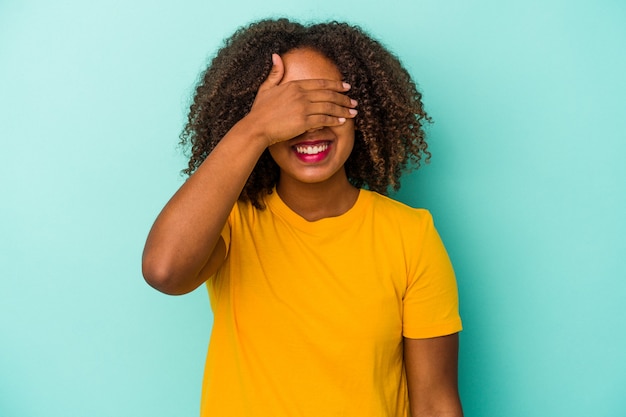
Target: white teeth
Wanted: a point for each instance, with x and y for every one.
(311, 149)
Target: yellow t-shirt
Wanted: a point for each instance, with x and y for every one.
(309, 316)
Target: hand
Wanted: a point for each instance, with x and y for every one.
(284, 111)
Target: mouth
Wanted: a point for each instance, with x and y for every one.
(312, 151)
(311, 148)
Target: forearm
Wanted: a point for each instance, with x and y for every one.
(185, 234)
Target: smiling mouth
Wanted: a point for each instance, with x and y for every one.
(311, 148)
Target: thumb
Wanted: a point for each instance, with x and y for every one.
(276, 73)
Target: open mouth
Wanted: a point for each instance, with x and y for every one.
(312, 152)
(311, 149)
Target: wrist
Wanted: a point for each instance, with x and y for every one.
(253, 133)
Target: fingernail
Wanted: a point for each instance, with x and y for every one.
(353, 111)
(353, 102)
(346, 86)
(342, 120)
(274, 58)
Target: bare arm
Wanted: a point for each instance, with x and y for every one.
(184, 247)
(432, 376)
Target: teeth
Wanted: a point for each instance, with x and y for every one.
(311, 149)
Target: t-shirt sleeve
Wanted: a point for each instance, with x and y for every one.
(430, 304)
(225, 235)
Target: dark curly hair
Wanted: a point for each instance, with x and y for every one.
(389, 132)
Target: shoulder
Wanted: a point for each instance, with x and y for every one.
(245, 213)
(396, 211)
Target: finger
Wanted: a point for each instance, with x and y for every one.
(322, 84)
(331, 109)
(321, 96)
(316, 121)
(276, 73)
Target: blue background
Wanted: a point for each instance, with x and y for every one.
(527, 185)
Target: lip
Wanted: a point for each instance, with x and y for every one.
(312, 158)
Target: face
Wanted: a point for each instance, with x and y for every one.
(318, 155)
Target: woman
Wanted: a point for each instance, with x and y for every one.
(328, 297)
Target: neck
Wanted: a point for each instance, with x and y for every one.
(318, 201)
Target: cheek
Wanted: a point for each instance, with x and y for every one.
(277, 150)
(346, 135)
(344, 131)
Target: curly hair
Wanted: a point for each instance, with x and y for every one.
(389, 134)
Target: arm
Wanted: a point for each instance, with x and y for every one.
(184, 247)
(431, 370)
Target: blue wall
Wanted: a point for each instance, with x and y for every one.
(527, 185)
